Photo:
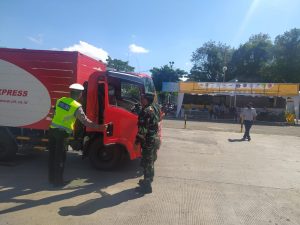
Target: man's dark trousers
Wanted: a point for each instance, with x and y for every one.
(57, 155)
(248, 125)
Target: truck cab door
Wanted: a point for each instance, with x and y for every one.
(95, 100)
(122, 128)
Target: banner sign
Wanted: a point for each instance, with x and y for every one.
(268, 89)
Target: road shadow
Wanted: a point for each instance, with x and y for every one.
(236, 140)
(105, 201)
(29, 177)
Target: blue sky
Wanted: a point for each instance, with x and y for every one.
(145, 33)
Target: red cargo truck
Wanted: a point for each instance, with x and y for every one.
(32, 80)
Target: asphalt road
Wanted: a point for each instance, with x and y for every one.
(204, 175)
(235, 127)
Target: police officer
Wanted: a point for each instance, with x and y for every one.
(149, 117)
(67, 110)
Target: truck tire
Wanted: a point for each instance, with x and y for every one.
(104, 157)
(8, 145)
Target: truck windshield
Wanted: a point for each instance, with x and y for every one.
(130, 91)
(149, 86)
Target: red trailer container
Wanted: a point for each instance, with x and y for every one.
(32, 80)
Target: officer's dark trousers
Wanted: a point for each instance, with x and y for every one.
(57, 155)
(248, 125)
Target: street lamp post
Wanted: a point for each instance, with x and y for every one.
(224, 71)
(235, 93)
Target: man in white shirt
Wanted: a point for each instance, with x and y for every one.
(248, 115)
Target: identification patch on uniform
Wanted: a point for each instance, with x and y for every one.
(64, 106)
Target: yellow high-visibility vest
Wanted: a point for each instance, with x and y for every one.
(64, 117)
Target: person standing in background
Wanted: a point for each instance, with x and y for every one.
(248, 115)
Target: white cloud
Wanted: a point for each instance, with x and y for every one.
(183, 78)
(137, 49)
(37, 40)
(89, 50)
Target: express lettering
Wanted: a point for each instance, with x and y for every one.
(13, 92)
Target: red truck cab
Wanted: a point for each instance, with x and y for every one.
(110, 98)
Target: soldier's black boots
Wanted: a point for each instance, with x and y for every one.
(145, 186)
(141, 181)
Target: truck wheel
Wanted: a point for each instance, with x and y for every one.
(104, 157)
(8, 146)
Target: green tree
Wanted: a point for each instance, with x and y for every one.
(166, 73)
(286, 64)
(119, 65)
(251, 60)
(209, 61)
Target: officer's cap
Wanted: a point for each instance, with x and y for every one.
(77, 87)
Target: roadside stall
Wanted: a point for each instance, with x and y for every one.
(275, 98)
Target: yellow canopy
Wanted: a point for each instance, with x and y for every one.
(260, 89)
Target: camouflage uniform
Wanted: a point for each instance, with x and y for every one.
(148, 120)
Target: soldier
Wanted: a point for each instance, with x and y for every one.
(67, 110)
(148, 127)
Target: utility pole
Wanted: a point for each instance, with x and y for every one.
(224, 67)
(224, 72)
